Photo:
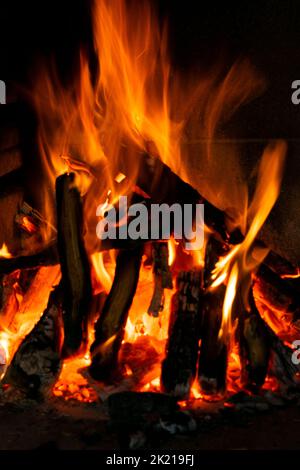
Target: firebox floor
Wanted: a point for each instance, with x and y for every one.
(58, 425)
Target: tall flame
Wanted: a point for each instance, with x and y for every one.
(236, 266)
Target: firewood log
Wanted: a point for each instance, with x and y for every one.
(46, 257)
(213, 351)
(157, 180)
(179, 367)
(109, 329)
(36, 364)
(162, 277)
(276, 293)
(75, 268)
(254, 344)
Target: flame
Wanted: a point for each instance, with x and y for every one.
(291, 276)
(4, 253)
(228, 301)
(172, 251)
(236, 267)
(102, 274)
(29, 310)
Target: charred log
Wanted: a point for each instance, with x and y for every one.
(36, 364)
(213, 351)
(179, 366)
(75, 268)
(254, 342)
(162, 277)
(163, 186)
(46, 257)
(109, 329)
(276, 293)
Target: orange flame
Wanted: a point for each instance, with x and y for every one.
(236, 266)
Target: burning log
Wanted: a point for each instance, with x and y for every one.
(254, 342)
(262, 352)
(8, 298)
(157, 180)
(278, 264)
(47, 257)
(75, 268)
(213, 352)
(276, 293)
(36, 364)
(179, 367)
(109, 329)
(162, 277)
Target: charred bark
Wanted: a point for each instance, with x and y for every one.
(47, 257)
(254, 343)
(179, 366)
(213, 351)
(37, 362)
(276, 293)
(75, 268)
(162, 277)
(109, 329)
(157, 180)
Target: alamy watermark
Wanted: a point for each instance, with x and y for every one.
(296, 353)
(152, 222)
(2, 92)
(296, 93)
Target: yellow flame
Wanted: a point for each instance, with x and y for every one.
(102, 274)
(4, 253)
(172, 251)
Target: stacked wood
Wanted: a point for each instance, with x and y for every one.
(75, 268)
(162, 277)
(180, 364)
(36, 365)
(109, 329)
(213, 351)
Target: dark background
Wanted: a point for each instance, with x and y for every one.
(267, 31)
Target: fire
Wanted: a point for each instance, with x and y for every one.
(172, 251)
(292, 276)
(236, 267)
(228, 301)
(102, 274)
(97, 126)
(29, 310)
(4, 253)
